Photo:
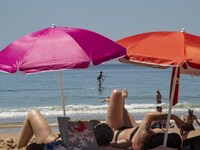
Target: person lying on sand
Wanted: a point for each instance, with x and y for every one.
(141, 136)
(127, 133)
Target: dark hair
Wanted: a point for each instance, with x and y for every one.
(173, 141)
(158, 107)
(103, 133)
(94, 122)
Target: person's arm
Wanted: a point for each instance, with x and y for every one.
(121, 143)
(197, 121)
(154, 116)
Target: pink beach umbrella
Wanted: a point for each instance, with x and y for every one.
(58, 48)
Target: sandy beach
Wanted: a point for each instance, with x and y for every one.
(9, 135)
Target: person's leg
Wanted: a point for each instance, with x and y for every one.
(184, 134)
(179, 122)
(117, 115)
(35, 124)
(129, 120)
(114, 116)
(99, 81)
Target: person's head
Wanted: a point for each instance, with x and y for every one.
(101, 72)
(159, 108)
(103, 133)
(190, 111)
(173, 141)
(94, 122)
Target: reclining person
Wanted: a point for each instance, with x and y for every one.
(125, 127)
(127, 133)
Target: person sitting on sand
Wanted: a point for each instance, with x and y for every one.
(157, 124)
(160, 124)
(126, 131)
(189, 120)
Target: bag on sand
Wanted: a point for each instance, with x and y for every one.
(77, 135)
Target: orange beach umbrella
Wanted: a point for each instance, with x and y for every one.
(164, 49)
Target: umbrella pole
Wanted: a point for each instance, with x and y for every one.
(61, 93)
(170, 106)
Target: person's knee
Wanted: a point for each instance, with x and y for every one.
(116, 95)
(32, 112)
(116, 92)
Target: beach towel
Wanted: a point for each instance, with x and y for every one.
(77, 135)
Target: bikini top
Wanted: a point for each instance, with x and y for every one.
(131, 135)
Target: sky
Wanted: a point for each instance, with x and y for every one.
(114, 19)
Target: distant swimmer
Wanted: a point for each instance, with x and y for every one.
(100, 78)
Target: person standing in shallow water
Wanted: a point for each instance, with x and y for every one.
(158, 97)
(100, 78)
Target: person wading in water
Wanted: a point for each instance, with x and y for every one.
(100, 78)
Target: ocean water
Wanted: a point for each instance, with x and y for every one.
(19, 92)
